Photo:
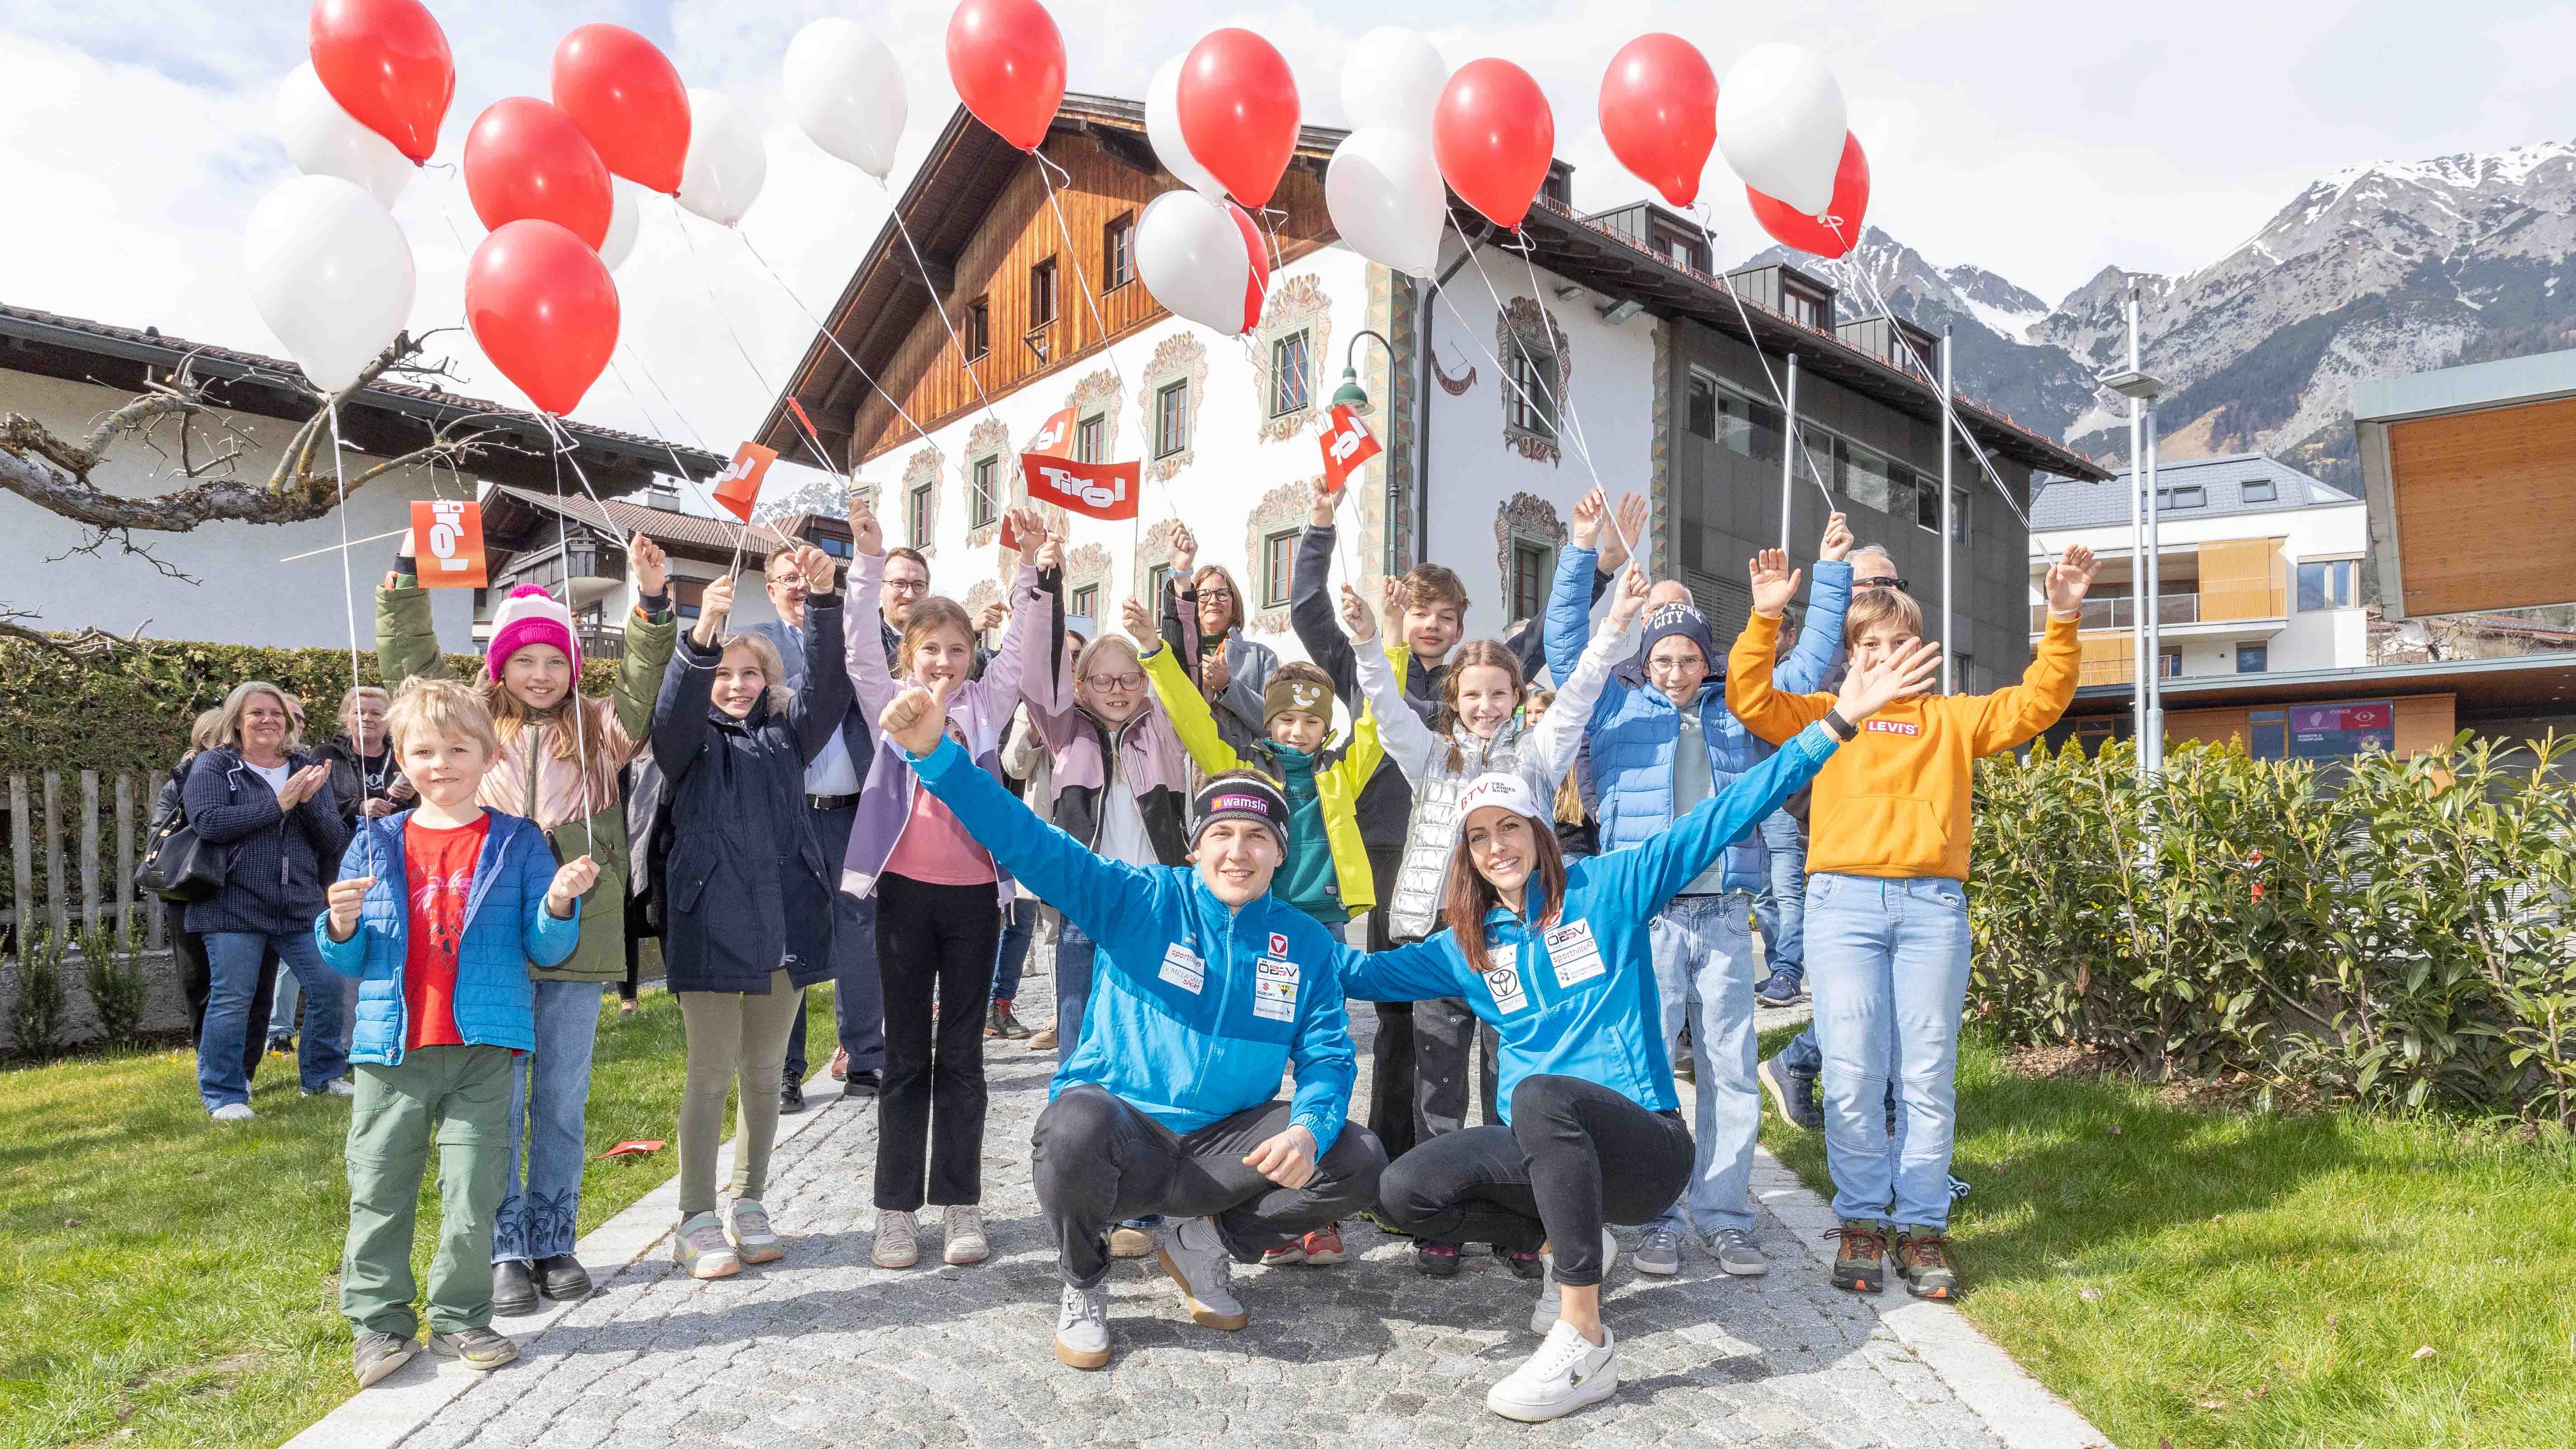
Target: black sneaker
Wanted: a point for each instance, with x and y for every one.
(562, 1278)
(1792, 1093)
(791, 1098)
(379, 1354)
(476, 1348)
(859, 1084)
(514, 1290)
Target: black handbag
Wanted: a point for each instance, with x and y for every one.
(181, 867)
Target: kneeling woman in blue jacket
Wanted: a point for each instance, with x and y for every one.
(1208, 987)
(1554, 954)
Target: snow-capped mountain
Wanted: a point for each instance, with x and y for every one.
(2377, 270)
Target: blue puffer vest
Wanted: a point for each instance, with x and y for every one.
(1635, 727)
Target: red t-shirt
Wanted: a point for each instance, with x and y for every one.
(439, 865)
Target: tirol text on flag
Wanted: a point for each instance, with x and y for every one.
(1054, 436)
(449, 536)
(738, 486)
(1347, 444)
(1101, 490)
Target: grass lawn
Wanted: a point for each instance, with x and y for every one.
(168, 1281)
(2206, 1279)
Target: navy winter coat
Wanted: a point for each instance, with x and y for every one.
(278, 859)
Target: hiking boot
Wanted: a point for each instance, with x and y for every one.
(378, 1354)
(1130, 1241)
(476, 1348)
(1860, 1264)
(1923, 1256)
(1565, 1374)
(746, 1226)
(1659, 1250)
(1781, 988)
(898, 1242)
(1792, 1093)
(699, 1247)
(1524, 1265)
(514, 1289)
(791, 1097)
(1734, 1251)
(1551, 1300)
(1082, 1327)
(1197, 1261)
(1435, 1260)
(1000, 1022)
(964, 1223)
(859, 1084)
(562, 1278)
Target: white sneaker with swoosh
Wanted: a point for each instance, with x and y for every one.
(1565, 1374)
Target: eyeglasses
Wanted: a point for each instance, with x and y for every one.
(1220, 594)
(1109, 683)
(907, 586)
(1863, 585)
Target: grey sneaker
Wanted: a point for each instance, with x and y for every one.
(1734, 1251)
(1082, 1327)
(699, 1247)
(476, 1348)
(1551, 1299)
(1659, 1250)
(898, 1240)
(1196, 1259)
(379, 1354)
(746, 1226)
(965, 1230)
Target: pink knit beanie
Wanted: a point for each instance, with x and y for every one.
(530, 616)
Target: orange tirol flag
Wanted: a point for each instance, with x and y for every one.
(738, 486)
(449, 535)
(1100, 490)
(1347, 444)
(1054, 435)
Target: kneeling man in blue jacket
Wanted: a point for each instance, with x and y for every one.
(1209, 989)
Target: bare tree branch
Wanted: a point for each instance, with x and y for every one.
(87, 644)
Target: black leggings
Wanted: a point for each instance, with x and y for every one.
(933, 939)
(1541, 1180)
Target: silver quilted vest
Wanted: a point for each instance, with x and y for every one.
(1433, 834)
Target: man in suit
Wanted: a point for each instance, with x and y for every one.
(832, 784)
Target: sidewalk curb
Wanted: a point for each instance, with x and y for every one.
(393, 1409)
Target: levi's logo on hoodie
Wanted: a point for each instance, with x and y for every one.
(1893, 727)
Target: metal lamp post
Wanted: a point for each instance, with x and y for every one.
(1350, 394)
(2146, 696)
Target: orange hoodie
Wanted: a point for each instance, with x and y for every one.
(1894, 802)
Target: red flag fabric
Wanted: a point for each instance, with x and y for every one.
(1347, 444)
(449, 536)
(738, 486)
(1010, 534)
(1100, 490)
(1054, 437)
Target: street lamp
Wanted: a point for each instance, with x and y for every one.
(1350, 394)
(2142, 389)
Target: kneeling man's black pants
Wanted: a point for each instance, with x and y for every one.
(1099, 1161)
(1576, 1155)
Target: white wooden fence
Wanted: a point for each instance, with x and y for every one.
(88, 831)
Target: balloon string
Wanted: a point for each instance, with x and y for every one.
(965, 364)
(560, 447)
(348, 583)
(678, 469)
(813, 440)
(1046, 170)
(1790, 437)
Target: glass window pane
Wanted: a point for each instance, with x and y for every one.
(1865, 475)
(1703, 407)
(1087, 437)
(1290, 383)
(2312, 586)
(1927, 507)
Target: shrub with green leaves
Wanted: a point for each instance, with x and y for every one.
(36, 1013)
(114, 975)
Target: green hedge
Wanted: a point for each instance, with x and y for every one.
(131, 711)
(2399, 931)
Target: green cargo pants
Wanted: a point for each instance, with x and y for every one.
(459, 1098)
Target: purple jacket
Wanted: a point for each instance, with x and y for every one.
(979, 716)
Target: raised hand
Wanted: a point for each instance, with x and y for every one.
(990, 617)
(1392, 597)
(1628, 523)
(713, 606)
(301, 785)
(1774, 582)
(1838, 539)
(1051, 556)
(1030, 526)
(1356, 618)
(571, 882)
(2071, 578)
(866, 534)
(1214, 673)
(1185, 552)
(1869, 688)
(344, 898)
(917, 718)
(652, 567)
(817, 567)
(1319, 504)
(1139, 623)
(1287, 1159)
(1628, 596)
(1589, 510)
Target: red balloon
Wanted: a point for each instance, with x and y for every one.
(1238, 109)
(1256, 283)
(1494, 137)
(386, 63)
(541, 305)
(1838, 230)
(1006, 59)
(1659, 113)
(621, 90)
(525, 158)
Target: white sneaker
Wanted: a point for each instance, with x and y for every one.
(232, 1112)
(1196, 1258)
(746, 1226)
(966, 1242)
(1565, 1374)
(1082, 1327)
(898, 1240)
(1550, 1302)
(341, 1087)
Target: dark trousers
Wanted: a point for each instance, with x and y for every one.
(1019, 931)
(858, 1000)
(196, 980)
(1099, 1161)
(933, 939)
(1420, 1061)
(1542, 1179)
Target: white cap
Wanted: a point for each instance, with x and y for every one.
(1509, 792)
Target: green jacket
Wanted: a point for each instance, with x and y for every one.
(579, 818)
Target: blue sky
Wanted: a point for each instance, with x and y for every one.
(2039, 139)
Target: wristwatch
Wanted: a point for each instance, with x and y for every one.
(1842, 729)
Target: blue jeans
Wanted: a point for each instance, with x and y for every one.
(1704, 971)
(549, 1094)
(1889, 960)
(1019, 926)
(234, 960)
(858, 993)
(290, 1001)
(1780, 908)
(1074, 953)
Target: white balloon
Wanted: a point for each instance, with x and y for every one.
(619, 244)
(1393, 77)
(324, 140)
(1163, 130)
(845, 91)
(331, 275)
(1191, 255)
(720, 177)
(1384, 193)
(1781, 122)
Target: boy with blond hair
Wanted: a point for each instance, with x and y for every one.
(438, 914)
